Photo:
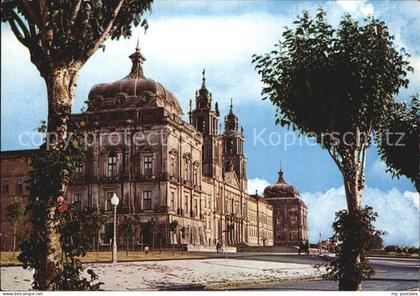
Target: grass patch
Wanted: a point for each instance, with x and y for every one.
(392, 254)
(7, 257)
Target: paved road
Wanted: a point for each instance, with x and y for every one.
(391, 274)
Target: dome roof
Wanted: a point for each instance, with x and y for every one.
(280, 189)
(134, 90)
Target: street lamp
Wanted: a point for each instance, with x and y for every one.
(114, 201)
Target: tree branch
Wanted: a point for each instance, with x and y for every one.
(45, 25)
(334, 157)
(75, 12)
(18, 34)
(21, 24)
(103, 37)
(29, 11)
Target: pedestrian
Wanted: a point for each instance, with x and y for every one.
(218, 247)
(307, 247)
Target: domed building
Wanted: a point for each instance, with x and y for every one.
(161, 166)
(289, 213)
(133, 91)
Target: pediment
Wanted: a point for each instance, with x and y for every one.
(148, 149)
(231, 179)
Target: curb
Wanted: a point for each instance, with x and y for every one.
(240, 285)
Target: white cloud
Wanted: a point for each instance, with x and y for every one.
(398, 213)
(177, 49)
(257, 184)
(358, 7)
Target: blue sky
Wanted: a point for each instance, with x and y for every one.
(186, 36)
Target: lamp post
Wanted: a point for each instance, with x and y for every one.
(114, 201)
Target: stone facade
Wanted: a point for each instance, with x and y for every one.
(14, 170)
(140, 148)
(289, 213)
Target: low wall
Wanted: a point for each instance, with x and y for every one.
(201, 248)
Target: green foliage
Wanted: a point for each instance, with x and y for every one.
(173, 226)
(15, 209)
(337, 85)
(325, 80)
(61, 35)
(129, 225)
(154, 224)
(398, 249)
(48, 169)
(129, 228)
(376, 241)
(94, 221)
(75, 233)
(65, 32)
(391, 248)
(354, 234)
(398, 141)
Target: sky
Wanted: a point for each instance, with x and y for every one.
(221, 36)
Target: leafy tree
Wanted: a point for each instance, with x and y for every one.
(129, 228)
(398, 143)
(354, 233)
(154, 224)
(61, 36)
(48, 168)
(376, 241)
(173, 226)
(15, 211)
(391, 248)
(95, 220)
(338, 86)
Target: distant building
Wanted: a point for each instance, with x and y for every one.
(193, 172)
(15, 166)
(289, 213)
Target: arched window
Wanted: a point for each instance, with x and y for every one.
(112, 164)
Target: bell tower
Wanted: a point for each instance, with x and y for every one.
(205, 120)
(233, 148)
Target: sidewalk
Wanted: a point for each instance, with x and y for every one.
(179, 274)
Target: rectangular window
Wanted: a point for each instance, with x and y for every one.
(195, 208)
(112, 165)
(147, 200)
(148, 165)
(78, 172)
(172, 170)
(77, 203)
(186, 174)
(90, 201)
(186, 205)
(172, 204)
(19, 186)
(5, 186)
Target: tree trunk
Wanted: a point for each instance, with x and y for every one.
(126, 246)
(354, 185)
(14, 241)
(97, 246)
(61, 83)
(153, 243)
